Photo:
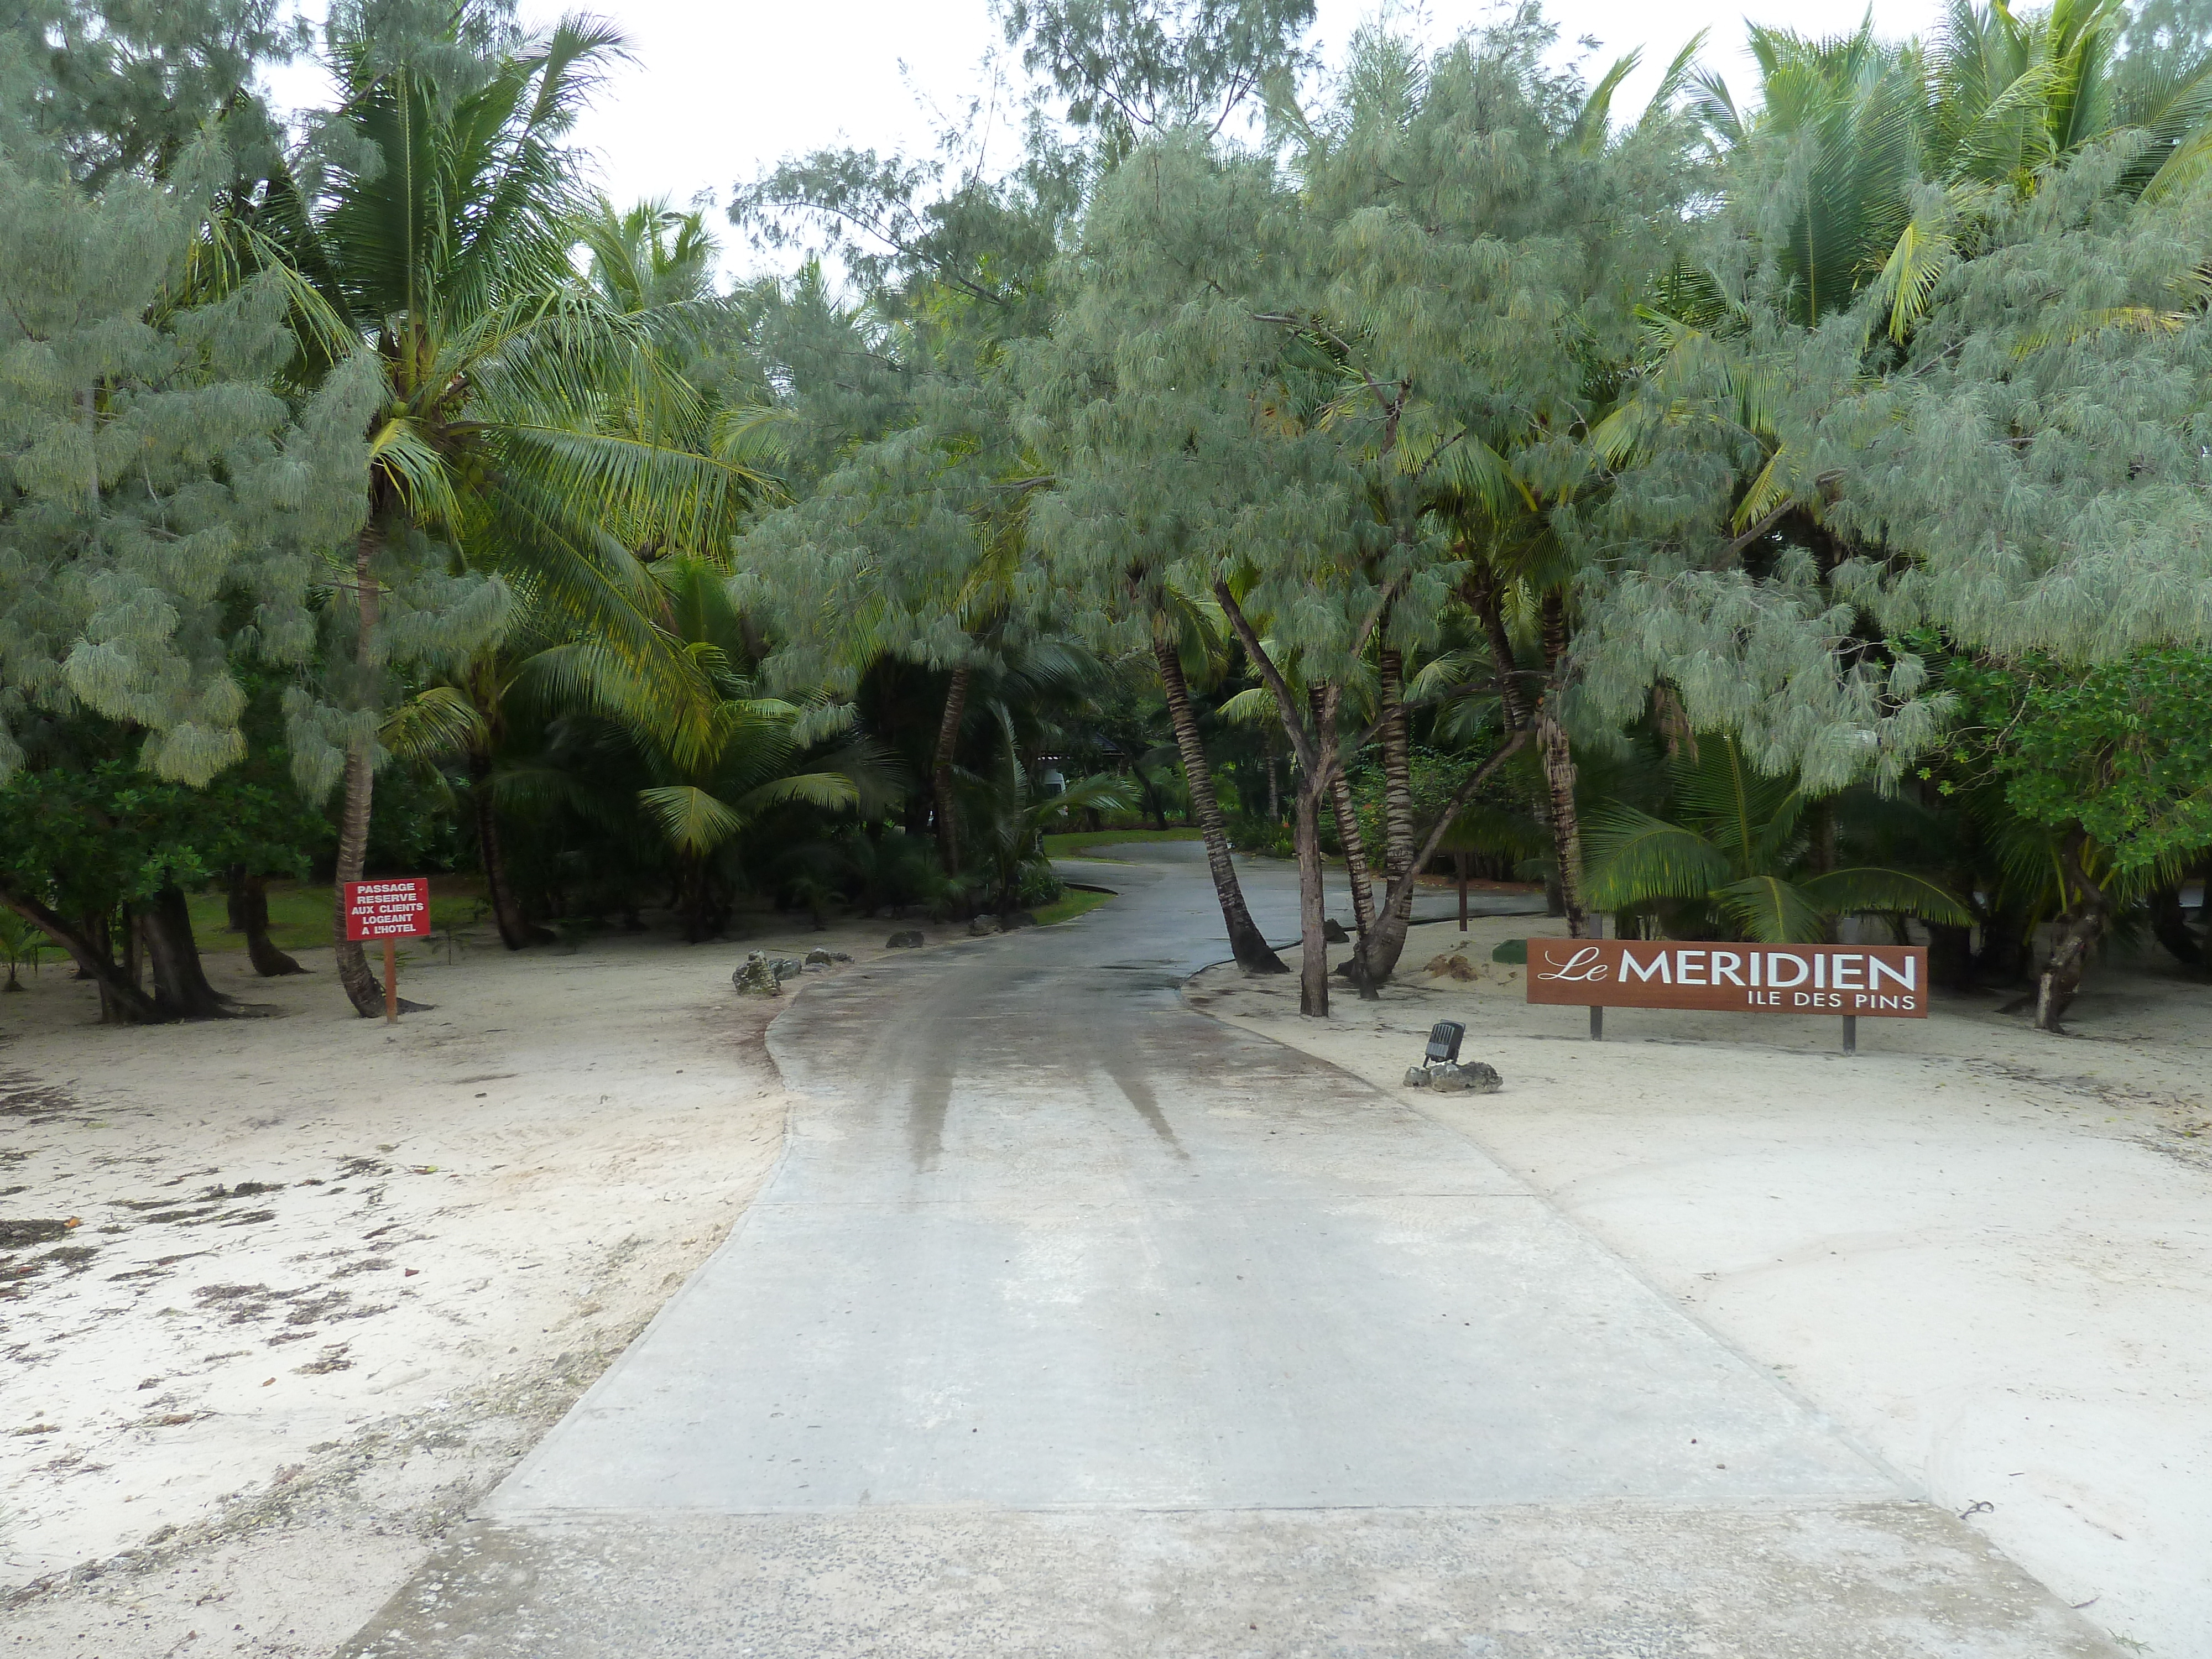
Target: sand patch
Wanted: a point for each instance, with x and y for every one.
(279, 1298)
(1985, 1252)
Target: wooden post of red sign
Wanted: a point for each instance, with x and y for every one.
(390, 981)
(1850, 1034)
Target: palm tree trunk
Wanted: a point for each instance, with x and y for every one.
(1484, 597)
(1315, 748)
(1312, 964)
(248, 907)
(361, 984)
(2080, 926)
(1348, 830)
(1246, 943)
(695, 899)
(940, 773)
(1386, 943)
(516, 930)
(1559, 765)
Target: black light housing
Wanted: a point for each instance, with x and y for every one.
(1443, 1039)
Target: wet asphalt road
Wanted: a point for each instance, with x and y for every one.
(1075, 1322)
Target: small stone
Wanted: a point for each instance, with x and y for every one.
(1417, 1077)
(1333, 931)
(818, 957)
(909, 940)
(1447, 1080)
(982, 926)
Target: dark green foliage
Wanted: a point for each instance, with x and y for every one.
(2124, 750)
(86, 839)
(1733, 859)
(1497, 828)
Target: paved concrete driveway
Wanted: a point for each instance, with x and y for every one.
(1076, 1323)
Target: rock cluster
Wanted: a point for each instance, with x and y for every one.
(909, 940)
(819, 960)
(763, 976)
(983, 927)
(1466, 1077)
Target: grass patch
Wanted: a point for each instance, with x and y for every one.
(1074, 843)
(1074, 902)
(300, 915)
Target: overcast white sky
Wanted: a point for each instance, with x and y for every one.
(719, 89)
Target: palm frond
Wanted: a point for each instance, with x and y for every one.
(1634, 858)
(1867, 888)
(694, 821)
(1769, 909)
(831, 791)
(435, 722)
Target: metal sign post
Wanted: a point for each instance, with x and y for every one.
(391, 911)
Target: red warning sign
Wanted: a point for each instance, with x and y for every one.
(388, 909)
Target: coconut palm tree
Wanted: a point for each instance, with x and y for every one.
(528, 427)
(649, 255)
(1991, 105)
(1188, 632)
(760, 753)
(1736, 862)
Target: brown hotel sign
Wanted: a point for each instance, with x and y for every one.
(1881, 982)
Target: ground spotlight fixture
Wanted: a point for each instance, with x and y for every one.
(1443, 1039)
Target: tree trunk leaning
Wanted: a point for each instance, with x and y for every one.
(361, 984)
(1246, 943)
(121, 1001)
(1315, 749)
(1355, 856)
(1484, 597)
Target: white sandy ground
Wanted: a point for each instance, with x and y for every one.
(337, 1277)
(1985, 1251)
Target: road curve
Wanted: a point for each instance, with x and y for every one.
(1075, 1322)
